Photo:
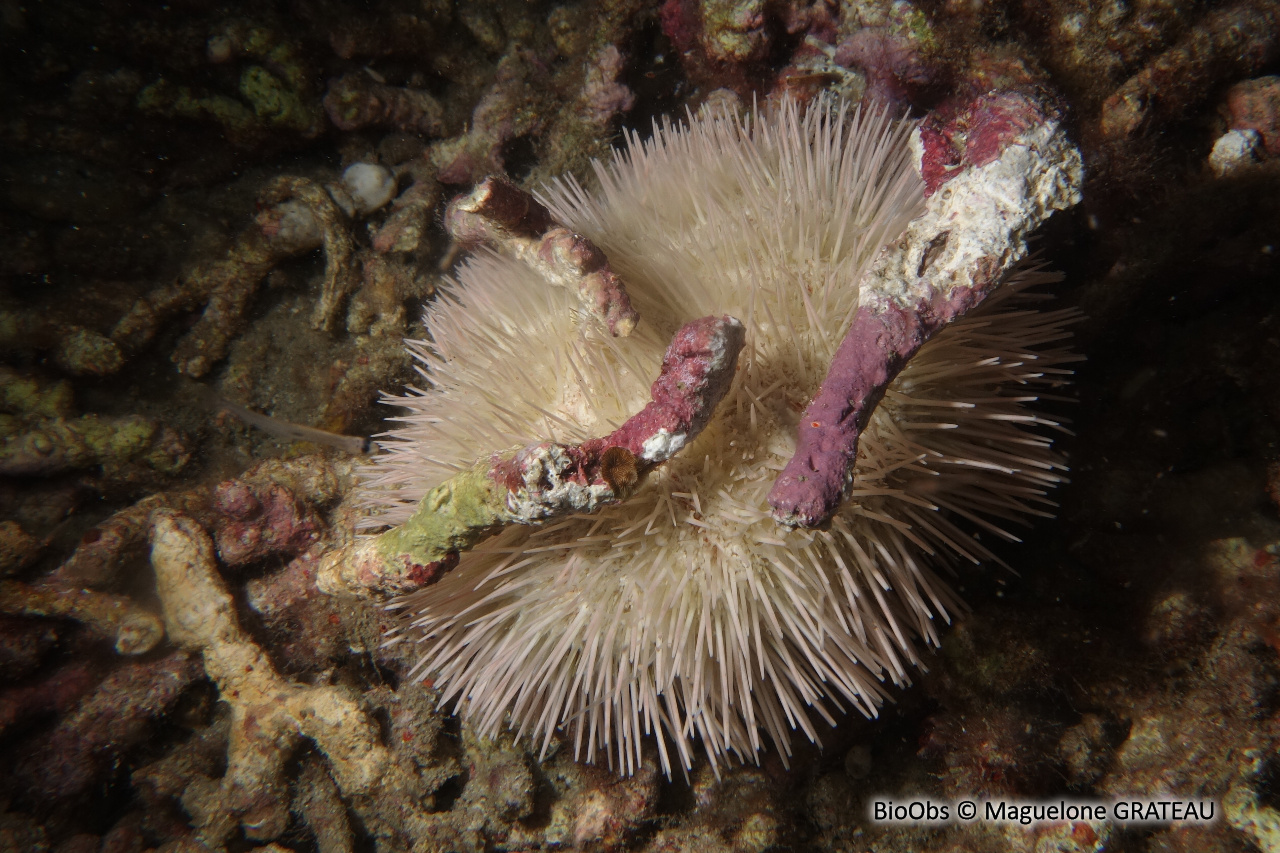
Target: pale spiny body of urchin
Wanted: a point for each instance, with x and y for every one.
(686, 611)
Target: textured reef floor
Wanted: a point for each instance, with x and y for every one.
(217, 227)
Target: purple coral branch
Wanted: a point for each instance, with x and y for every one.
(994, 166)
(879, 343)
(697, 370)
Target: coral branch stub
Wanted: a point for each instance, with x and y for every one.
(502, 215)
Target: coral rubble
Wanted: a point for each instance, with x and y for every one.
(1230, 42)
(261, 199)
(118, 715)
(227, 285)
(268, 713)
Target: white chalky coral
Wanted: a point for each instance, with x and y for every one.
(686, 610)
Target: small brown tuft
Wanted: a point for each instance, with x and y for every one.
(618, 467)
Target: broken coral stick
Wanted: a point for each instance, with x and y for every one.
(545, 480)
(500, 214)
(133, 629)
(270, 714)
(995, 167)
(296, 215)
(339, 271)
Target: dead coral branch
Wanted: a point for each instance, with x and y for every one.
(545, 480)
(269, 715)
(505, 217)
(995, 167)
(340, 275)
(298, 215)
(132, 629)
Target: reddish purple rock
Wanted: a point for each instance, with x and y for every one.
(697, 369)
(880, 341)
(261, 521)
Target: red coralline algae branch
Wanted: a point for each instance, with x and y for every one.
(995, 167)
(501, 215)
(544, 481)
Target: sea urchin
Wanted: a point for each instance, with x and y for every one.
(686, 611)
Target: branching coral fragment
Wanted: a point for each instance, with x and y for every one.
(275, 92)
(410, 212)
(546, 480)
(339, 271)
(225, 286)
(499, 213)
(298, 215)
(269, 714)
(995, 168)
(320, 807)
(515, 105)
(356, 100)
(77, 350)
